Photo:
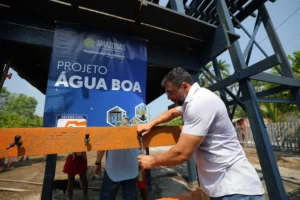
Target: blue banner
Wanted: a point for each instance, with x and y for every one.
(98, 75)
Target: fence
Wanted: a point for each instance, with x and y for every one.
(283, 136)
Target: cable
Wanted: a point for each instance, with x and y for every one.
(282, 23)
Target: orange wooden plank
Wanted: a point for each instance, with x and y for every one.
(41, 141)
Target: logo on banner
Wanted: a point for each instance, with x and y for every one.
(89, 42)
(71, 121)
(117, 116)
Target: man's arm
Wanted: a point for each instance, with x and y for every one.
(164, 117)
(99, 157)
(180, 152)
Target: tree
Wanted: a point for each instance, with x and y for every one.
(17, 110)
(271, 111)
(4, 96)
(239, 113)
(224, 70)
(295, 63)
(276, 111)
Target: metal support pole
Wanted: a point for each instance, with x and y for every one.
(262, 142)
(49, 177)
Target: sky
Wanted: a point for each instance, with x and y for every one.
(285, 15)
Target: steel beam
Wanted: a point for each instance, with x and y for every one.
(284, 80)
(217, 44)
(274, 100)
(193, 7)
(161, 55)
(275, 42)
(249, 9)
(23, 33)
(49, 177)
(271, 91)
(248, 72)
(238, 101)
(251, 41)
(252, 38)
(177, 5)
(261, 138)
(265, 93)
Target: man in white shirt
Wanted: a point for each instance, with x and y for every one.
(208, 133)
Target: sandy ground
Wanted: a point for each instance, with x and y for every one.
(166, 181)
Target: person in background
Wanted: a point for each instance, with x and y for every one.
(11, 161)
(121, 170)
(22, 158)
(76, 163)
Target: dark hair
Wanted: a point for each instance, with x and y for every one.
(177, 76)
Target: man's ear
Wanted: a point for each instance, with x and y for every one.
(184, 84)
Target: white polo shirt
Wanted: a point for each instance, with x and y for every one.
(122, 164)
(223, 168)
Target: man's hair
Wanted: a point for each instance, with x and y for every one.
(177, 76)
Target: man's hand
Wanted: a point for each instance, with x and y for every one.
(146, 162)
(97, 169)
(143, 129)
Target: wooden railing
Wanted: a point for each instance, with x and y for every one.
(42, 141)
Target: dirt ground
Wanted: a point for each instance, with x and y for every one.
(166, 181)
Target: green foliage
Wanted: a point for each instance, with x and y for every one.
(271, 111)
(224, 70)
(4, 96)
(175, 122)
(295, 59)
(17, 111)
(239, 113)
(275, 111)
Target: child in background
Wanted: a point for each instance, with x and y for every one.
(76, 163)
(10, 162)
